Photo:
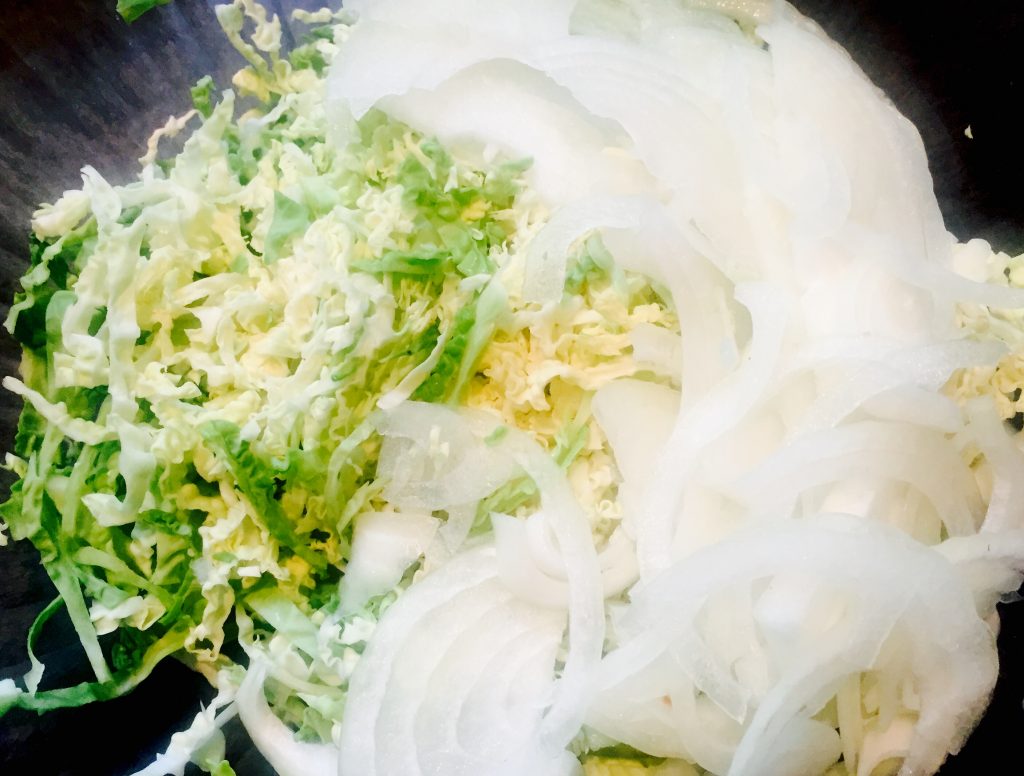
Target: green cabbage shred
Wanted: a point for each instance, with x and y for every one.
(201, 374)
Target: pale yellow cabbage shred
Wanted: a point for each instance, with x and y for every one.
(1003, 381)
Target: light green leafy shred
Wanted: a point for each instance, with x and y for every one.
(203, 95)
(204, 349)
(291, 219)
(257, 481)
(131, 10)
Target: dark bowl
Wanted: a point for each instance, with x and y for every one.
(78, 85)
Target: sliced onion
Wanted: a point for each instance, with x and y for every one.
(530, 561)
(384, 545)
(706, 421)
(519, 570)
(286, 755)
(788, 212)
(636, 417)
(1007, 465)
(992, 565)
(872, 375)
(804, 747)
(452, 535)
(431, 459)
(456, 649)
(586, 602)
(640, 711)
(509, 107)
(548, 251)
(703, 296)
(434, 456)
(401, 46)
(884, 579)
(869, 449)
(891, 742)
(657, 349)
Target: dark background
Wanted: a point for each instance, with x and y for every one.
(78, 85)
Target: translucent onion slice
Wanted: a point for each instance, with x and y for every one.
(705, 421)
(402, 45)
(1006, 463)
(657, 349)
(431, 459)
(788, 212)
(636, 417)
(991, 565)
(384, 545)
(509, 107)
(868, 449)
(273, 738)
(435, 456)
(892, 742)
(456, 651)
(881, 578)
(548, 251)
(854, 372)
(571, 531)
(531, 565)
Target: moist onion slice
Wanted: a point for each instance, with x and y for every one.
(455, 680)
(276, 742)
(883, 589)
(384, 545)
(786, 213)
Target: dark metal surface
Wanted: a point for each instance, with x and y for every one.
(79, 86)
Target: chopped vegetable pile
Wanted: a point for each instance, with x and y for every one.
(540, 387)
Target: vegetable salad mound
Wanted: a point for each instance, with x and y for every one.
(552, 387)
